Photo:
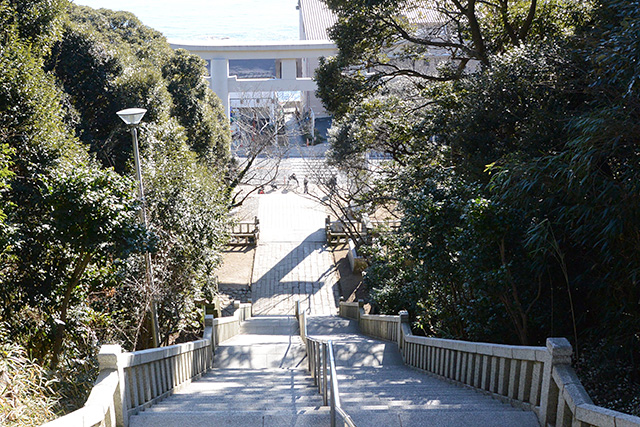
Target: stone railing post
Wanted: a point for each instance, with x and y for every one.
(210, 335)
(360, 310)
(108, 359)
(404, 320)
(560, 352)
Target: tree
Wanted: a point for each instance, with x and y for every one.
(584, 196)
(395, 121)
(187, 209)
(517, 192)
(108, 60)
(34, 21)
(64, 212)
(383, 40)
(260, 143)
(197, 108)
(69, 232)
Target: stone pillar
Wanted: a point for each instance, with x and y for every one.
(220, 82)
(402, 326)
(210, 335)
(560, 352)
(289, 69)
(360, 310)
(108, 360)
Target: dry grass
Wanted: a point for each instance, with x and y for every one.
(26, 398)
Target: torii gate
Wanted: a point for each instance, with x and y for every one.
(218, 54)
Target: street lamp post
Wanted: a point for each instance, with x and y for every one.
(132, 117)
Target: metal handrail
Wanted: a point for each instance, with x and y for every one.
(336, 407)
(322, 366)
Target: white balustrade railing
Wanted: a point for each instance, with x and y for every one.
(380, 326)
(151, 375)
(227, 327)
(539, 379)
(131, 382)
(103, 405)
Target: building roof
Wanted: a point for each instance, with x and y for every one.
(422, 13)
(316, 18)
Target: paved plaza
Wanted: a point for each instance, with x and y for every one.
(292, 261)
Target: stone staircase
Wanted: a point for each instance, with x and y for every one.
(260, 379)
(241, 397)
(377, 389)
(400, 396)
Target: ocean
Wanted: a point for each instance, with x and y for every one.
(191, 20)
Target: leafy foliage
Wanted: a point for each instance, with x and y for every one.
(196, 107)
(71, 264)
(379, 42)
(517, 180)
(108, 60)
(188, 211)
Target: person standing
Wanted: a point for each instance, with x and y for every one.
(294, 178)
(333, 183)
(306, 185)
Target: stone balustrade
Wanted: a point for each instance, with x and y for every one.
(151, 375)
(104, 403)
(379, 326)
(350, 310)
(539, 379)
(224, 328)
(132, 381)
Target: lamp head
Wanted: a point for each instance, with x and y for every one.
(131, 116)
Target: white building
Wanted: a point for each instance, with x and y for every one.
(287, 56)
(295, 61)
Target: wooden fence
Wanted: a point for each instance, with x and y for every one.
(245, 233)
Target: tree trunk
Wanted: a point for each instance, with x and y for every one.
(81, 266)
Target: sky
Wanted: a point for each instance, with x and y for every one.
(243, 20)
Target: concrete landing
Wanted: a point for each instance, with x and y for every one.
(266, 342)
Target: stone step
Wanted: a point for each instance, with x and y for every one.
(252, 402)
(402, 386)
(265, 342)
(442, 418)
(376, 388)
(270, 325)
(245, 389)
(253, 378)
(261, 379)
(307, 418)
